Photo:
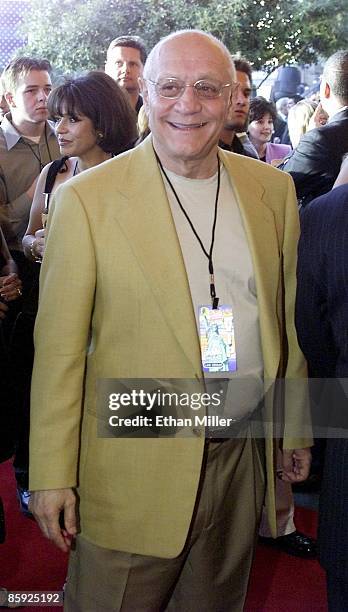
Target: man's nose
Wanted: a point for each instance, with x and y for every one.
(42, 95)
(189, 100)
(124, 68)
(240, 97)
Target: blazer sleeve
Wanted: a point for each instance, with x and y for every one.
(67, 287)
(297, 430)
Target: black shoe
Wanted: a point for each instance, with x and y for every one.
(311, 485)
(22, 477)
(296, 544)
(24, 498)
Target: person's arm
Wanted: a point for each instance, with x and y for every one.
(67, 286)
(10, 265)
(20, 206)
(47, 506)
(34, 238)
(10, 283)
(297, 429)
(322, 293)
(312, 323)
(311, 166)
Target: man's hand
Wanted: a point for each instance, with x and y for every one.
(296, 464)
(319, 118)
(46, 507)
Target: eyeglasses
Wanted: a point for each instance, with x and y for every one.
(172, 88)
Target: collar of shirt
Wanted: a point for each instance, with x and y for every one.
(343, 108)
(12, 135)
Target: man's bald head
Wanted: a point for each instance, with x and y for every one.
(184, 36)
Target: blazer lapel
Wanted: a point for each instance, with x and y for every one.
(150, 229)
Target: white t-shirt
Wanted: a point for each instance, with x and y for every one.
(233, 272)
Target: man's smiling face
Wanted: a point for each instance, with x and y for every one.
(187, 128)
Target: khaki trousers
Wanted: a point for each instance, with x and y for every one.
(211, 574)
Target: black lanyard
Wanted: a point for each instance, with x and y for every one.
(214, 299)
(38, 157)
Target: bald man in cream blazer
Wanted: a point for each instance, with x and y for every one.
(116, 279)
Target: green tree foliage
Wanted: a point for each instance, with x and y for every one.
(74, 34)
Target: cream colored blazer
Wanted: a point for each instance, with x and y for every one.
(113, 279)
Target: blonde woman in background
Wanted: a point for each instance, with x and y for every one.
(298, 119)
(302, 117)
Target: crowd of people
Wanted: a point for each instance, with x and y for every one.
(131, 202)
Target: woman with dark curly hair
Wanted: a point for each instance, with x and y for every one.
(94, 121)
(262, 116)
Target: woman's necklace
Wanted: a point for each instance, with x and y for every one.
(77, 169)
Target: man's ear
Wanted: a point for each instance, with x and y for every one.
(327, 90)
(9, 97)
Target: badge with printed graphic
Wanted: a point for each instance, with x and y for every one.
(216, 333)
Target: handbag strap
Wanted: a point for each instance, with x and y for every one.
(53, 170)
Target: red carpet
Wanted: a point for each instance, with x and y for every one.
(28, 562)
(279, 583)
